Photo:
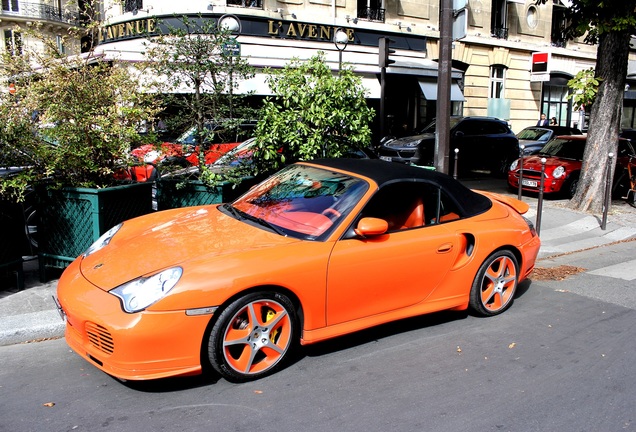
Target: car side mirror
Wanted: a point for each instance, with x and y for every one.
(459, 134)
(370, 226)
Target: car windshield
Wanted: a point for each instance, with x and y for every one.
(237, 154)
(430, 128)
(563, 148)
(534, 134)
(302, 201)
(189, 136)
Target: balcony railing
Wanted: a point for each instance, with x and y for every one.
(500, 32)
(42, 12)
(371, 14)
(246, 3)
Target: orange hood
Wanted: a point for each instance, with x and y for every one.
(170, 238)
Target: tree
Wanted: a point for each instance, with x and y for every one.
(609, 24)
(198, 71)
(71, 121)
(314, 114)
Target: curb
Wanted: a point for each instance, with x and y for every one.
(31, 327)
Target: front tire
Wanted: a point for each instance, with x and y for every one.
(569, 187)
(495, 285)
(253, 336)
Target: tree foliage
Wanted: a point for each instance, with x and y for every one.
(585, 85)
(314, 114)
(71, 121)
(194, 65)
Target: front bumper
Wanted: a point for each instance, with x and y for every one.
(139, 346)
(532, 183)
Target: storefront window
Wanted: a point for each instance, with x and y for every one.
(555, 101)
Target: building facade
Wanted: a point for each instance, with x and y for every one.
(52, 17)
(492, 72)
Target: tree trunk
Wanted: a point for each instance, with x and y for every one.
(605, 121)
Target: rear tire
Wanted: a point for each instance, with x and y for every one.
(495, 285)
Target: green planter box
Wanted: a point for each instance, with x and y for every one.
(11, 243)
(171, 194)
(71, 219)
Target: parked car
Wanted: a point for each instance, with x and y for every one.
(533, 138)
(243, 153)
(309, 254)
(629, 134)
(484, 143)
(564, 156)
(184, 151)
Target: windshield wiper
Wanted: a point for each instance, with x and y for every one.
(236, 213)
(266, 224)
(241, 215)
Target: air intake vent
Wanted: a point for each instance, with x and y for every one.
(100, 338)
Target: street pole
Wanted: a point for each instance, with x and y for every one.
(442, 120)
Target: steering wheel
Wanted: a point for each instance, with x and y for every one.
(331, 213)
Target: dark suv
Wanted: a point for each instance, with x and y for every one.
(484, 143)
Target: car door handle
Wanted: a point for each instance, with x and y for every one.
(446, 247)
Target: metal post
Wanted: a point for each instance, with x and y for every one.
(455, 167)
(521, 149)
(608, 189)
(340, 40)
(540, 202)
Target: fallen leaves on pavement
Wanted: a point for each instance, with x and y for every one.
(555, 273)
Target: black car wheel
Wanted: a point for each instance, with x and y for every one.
(495, 285)
(31, 229)
(569, 187)
(253, 336)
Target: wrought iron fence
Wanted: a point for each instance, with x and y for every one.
(500, 32)
(41, 12)
(371, 14)
(246, 3)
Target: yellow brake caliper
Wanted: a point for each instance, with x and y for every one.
(273, 335)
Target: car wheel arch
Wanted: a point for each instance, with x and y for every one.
(476, 300)
(255, 289)
(573, 177)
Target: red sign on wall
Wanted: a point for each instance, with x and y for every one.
(540, 63)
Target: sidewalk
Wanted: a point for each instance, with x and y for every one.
(30, 314)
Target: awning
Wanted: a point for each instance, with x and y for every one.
(373, 87)
(256, 85)
(429, 90)
(425, 69)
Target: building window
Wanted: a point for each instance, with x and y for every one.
(371, 10)
(10, 6)
(60, 44)
(555, 101)
(497, 79)
(246, 3)
(532, 17)
(13, 42)
(499, 19)
(133, 5)
(559, 23)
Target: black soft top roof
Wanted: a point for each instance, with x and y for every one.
(384, 173)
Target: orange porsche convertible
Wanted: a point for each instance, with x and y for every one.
(319, 250)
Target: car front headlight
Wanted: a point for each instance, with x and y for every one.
(513, 166)
(412, 144)
(103, 240)
(558, 172)
(140, 293)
